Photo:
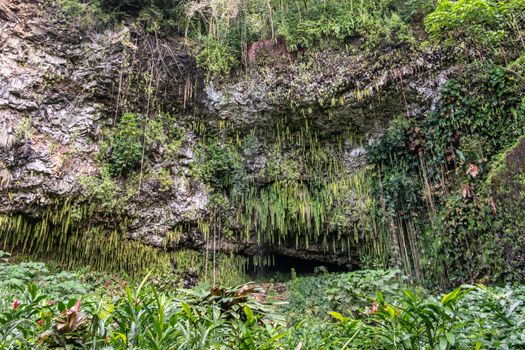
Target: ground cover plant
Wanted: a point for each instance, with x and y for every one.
(37, 314)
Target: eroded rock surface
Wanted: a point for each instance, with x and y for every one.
(60, 86)
(57, 90)
(55, 87)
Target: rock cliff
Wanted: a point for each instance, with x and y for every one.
(63, 84)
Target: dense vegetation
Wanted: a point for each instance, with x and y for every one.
(221, 32)
(439, 200)
(429, 201)
(43, 309)
(446, 161)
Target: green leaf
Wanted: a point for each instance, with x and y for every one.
(337, 316)
(249, 314)
(451, 297)
(450, 338)
(443, 343)
(188, 312)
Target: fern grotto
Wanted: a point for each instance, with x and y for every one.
(262, 174)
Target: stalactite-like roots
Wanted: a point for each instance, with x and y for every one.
(63, 234)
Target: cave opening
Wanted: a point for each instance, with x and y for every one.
(283, 264)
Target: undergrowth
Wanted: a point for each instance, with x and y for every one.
(35, 314)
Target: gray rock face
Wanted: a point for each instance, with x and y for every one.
(58, 88)
(334, 89)
(55, 86)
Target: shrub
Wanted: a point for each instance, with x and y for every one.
(424, 167)
(102, 189)
(222, 167)
(156, 16)
(216, 56)
(126, 152)
(57, 285)
(479, 24)
(24, 129)
(224, 30)
(350, 293)
(135, 6)
(140, 318)
(339, 21)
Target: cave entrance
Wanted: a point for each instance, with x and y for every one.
(283, 264)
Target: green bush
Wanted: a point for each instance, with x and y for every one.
(223, 31)
(126, 146)
(156, 16)
(139, 318)
(158, 20)
(222, 167)
(135, 6)
(216, 57)
(396, 161)
(350, 293)
(103, 189)
(425, 167)
(479, 24)
(373, 21)
(56, 285)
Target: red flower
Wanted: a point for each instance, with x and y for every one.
(40, 323)
(374, 307)
(16, 304)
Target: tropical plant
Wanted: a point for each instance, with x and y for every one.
(232, 318)
(478, 25)
(126, 146)
(349, 293)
